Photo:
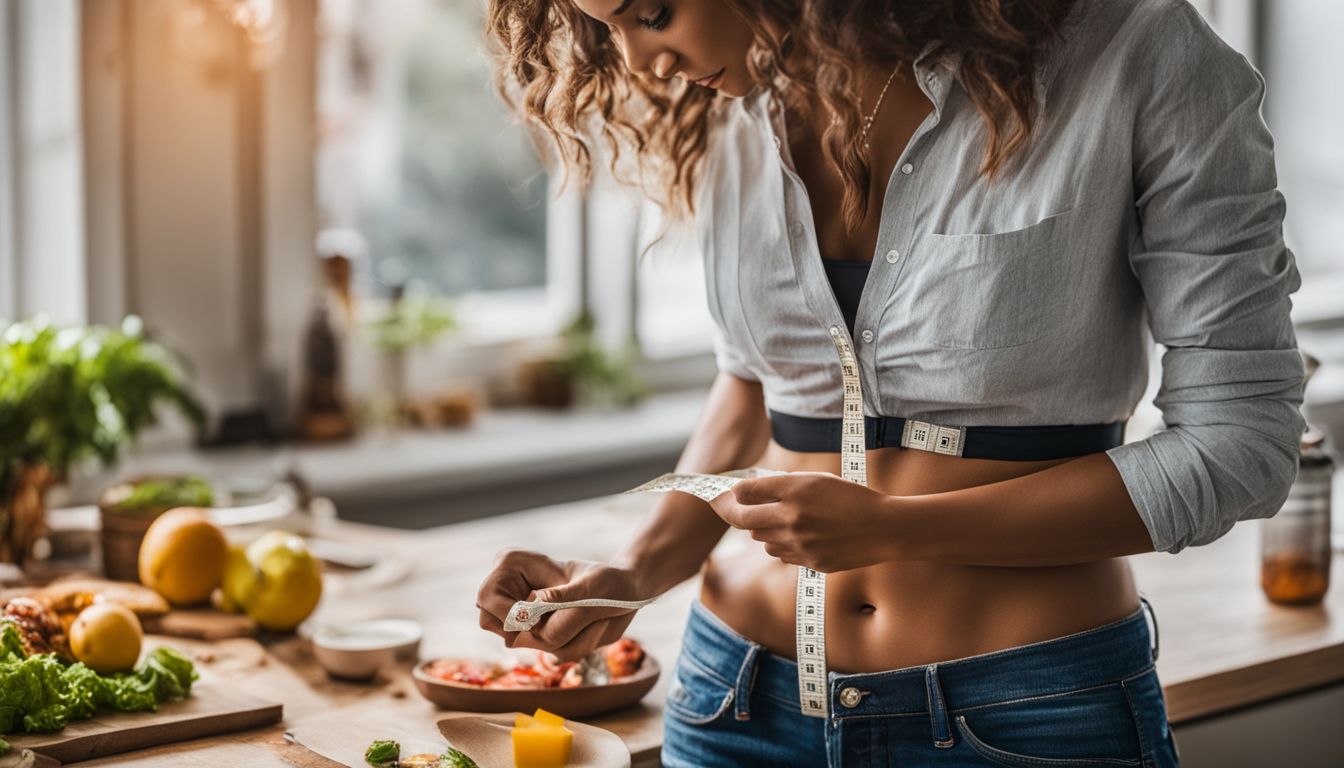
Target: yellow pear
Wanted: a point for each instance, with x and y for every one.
(276, 581)
(182, 556)
(106, 637)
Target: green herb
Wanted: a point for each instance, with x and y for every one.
(153, 497)
(415, 320)
(599, 373)
(70, 393)
(455, 758)
(382, 753)
(40, 694)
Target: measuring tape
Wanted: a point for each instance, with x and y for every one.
(810, 621)
(525, 614)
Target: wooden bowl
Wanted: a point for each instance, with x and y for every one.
(583, 701)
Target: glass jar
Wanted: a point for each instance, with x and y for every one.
(1295, 543)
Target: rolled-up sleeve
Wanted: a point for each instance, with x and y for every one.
(1216, 279)
(729, 359)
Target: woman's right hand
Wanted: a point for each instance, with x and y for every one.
(570, 633)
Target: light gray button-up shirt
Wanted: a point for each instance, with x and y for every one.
(1146, 208)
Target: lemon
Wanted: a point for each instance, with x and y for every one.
(182, 556)
(106, 637)
(276, 581)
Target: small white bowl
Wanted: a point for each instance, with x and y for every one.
(360, 650)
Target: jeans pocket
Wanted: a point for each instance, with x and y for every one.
(1149, 708)
(697, 696)
(1089, 727)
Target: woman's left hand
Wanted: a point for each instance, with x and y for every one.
(814, 519)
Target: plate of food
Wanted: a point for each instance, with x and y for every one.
(613, 676)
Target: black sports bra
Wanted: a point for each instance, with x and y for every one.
(847, 279)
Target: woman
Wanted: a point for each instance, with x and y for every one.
(1006, 199)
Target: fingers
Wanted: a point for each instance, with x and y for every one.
(763, 490)
(758, 490)
(583, 642)
(748, 516)
(491, 623)
(517, 574)
(560, 628)
(594, 636)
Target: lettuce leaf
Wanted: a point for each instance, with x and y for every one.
(11, 642)
(41, 694)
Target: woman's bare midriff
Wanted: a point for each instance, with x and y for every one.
(902, 614)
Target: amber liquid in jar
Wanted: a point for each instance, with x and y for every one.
(1295, 579)
(1295, 543)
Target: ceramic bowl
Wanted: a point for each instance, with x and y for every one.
(358, 651)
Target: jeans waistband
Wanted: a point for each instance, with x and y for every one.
(1106, 654)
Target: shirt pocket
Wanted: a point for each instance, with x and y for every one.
(998, 290)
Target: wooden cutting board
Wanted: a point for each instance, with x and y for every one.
(200, 624)
(212, 708)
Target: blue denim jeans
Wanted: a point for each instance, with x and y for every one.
(1089, 699)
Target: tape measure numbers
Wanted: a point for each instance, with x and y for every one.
(810, 603)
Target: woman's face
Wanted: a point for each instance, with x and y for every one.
(697, 40)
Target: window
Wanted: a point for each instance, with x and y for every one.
(1302, 61)
(41, 174)
(1293, 45)
(417, 154)
(671, 315)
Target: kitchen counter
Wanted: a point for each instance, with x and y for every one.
(1223, 646)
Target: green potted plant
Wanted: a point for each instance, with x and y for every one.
(583, 372)
(128, 509)
(413, 320)
(66, 395)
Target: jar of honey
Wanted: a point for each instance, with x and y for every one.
(1295, 543)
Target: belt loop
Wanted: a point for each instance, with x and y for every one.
(746, 680)
(942, 732)
(1156, 645)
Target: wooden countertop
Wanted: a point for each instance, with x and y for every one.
(1223, 646)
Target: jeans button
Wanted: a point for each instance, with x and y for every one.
(850, 697)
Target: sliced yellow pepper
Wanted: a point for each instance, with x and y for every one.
(541, 740)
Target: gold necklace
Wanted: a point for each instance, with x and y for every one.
(868, 123)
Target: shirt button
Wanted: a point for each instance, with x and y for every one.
(893, 256)
(907, 169)
(850, 697)
(796, 228)
(867, 335)
(835, 330)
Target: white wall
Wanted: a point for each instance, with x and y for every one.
(200, 201)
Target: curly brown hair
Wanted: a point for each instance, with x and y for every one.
(560, 69)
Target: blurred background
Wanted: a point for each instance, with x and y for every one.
(320, 213)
